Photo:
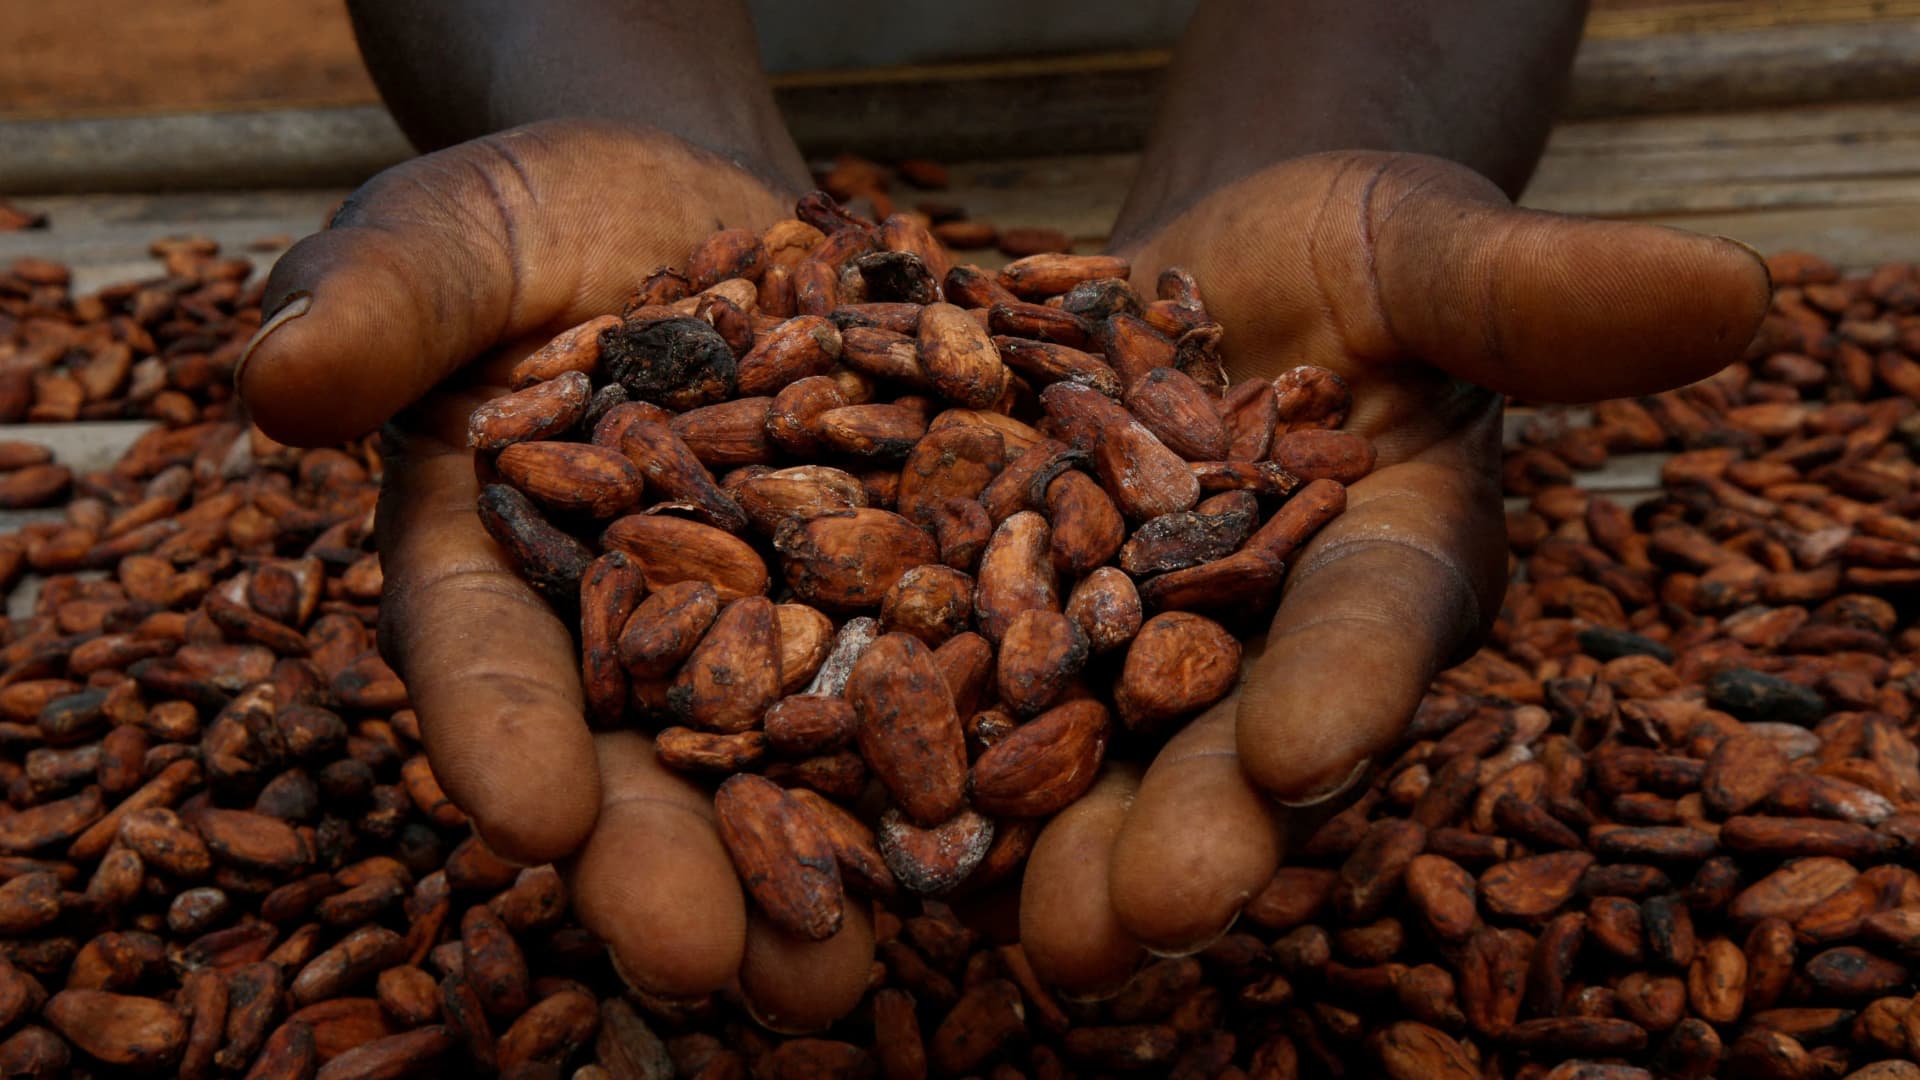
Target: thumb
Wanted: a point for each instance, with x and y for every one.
(1548, 307)
(444, 257)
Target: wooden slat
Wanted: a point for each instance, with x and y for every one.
(1864, 156)
(999, 109)
(1625, 472)
(1746, 69)
(1516, 418)
(1659, 201)
(1855, 237)
(84, 446)
(104, 238)
(70, 57)
(1079, 194)
(73, 57)
(256, 149)
(1627, 499)
(1854, 121)
(1104, 103)
(1649, 18)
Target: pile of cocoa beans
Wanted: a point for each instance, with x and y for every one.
(947, 543)
(160, 349)
(868, 187)
(1664, 824)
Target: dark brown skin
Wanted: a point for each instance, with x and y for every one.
(455, 70)
(1314, 243)
(1256, 83)
(1286, 173)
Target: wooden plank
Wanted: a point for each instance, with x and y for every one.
(1080, 194)
(260, 149)
(1835, 155)
(301, 209)
(1627, 499)
(1745, 69)
(1862, 150)
(1894, 116)
(1516, 418)
(1853, 237)
(73, 56)
(1104, 103)
(1625, 472)
(959, 111)
(104, 238)
(1627, 479)
(1812, 160)
(26, 592)
(1654, 201)
(85, 445)
(78, 56)
(1649, 18)
(15, 519)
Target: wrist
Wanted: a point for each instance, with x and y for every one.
(455, 70)
(1258, 82)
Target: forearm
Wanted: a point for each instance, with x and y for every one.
(1255, 82)
(453, 70)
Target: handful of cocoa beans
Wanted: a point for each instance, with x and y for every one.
(836, 516)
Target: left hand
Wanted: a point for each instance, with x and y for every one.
(1419, 283)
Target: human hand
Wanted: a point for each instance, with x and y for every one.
(433, 280)
(1415, 280)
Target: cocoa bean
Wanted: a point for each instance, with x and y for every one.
(785, 860)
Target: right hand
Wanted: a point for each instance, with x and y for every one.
(431, 281)
(1423, 287)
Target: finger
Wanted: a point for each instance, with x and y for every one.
(654, 881)
(440, 258)
(490, 668)
(1550, 307)
(1067, 922)
(1197, 844)
(1398, 257)
(796, 987)
(1393, 589)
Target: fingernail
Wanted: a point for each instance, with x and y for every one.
(646, 994)
(494, 849)
(1090, 997)
(1741, 243)
(1197, 947)
(1758, 255)
(613, 958)
(1332, 792)
(1096, 995)
(774, 1023)
(290, 309)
